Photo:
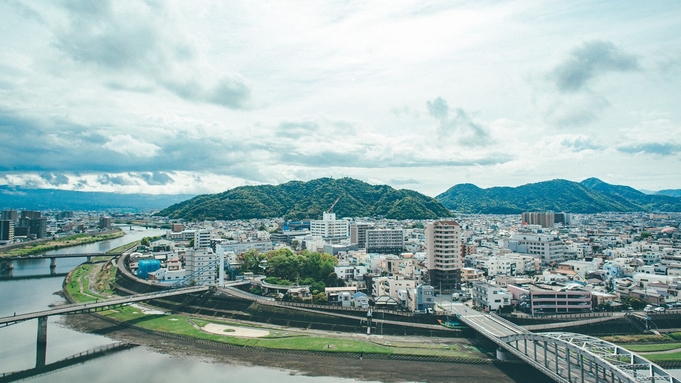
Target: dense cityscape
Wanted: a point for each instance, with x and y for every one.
(584, 263)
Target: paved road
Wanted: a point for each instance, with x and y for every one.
(490, 323)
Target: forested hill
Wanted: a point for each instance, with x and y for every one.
(299, 200)
(589, 196)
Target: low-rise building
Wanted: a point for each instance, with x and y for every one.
(490, 297)
(547, 300)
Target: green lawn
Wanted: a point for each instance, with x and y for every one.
(120, 249)
(651, 347)
(671, 357)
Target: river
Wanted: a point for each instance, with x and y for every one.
(18, 342)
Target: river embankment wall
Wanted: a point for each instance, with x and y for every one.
(223, 306)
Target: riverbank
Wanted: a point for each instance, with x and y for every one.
(308, 352)
(383, 370)
(31, 248)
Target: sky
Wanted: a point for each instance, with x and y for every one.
(196, 97)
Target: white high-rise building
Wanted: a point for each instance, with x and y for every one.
(201, 238)
(330, 229)
(444, 257)
(201, 265)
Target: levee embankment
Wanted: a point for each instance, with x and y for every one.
(221, 305)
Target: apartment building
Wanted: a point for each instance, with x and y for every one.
(385, 241)
(358, 233)
(330, 229)
(201, 238)
(553, 301)
(545, 219)
(490, 297)
(443, 256)
(6, 230)
(550, 249)
(242, 247)
(201, 265)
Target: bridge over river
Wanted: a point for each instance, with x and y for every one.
(563, 356)
(7, 262)
(82, 308)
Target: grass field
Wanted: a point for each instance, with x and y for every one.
(73, 240)
(652, 347)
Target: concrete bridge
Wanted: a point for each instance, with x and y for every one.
(84, 308)
(9, 261)
(564, 357)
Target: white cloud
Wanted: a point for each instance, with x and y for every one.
(129, 146)
(141, 95)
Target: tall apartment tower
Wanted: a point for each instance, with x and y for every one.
(201, 265)
(201, 239)
(38, 227)
(444, 256)
(105, 222)
(6, 230)
(545, 219)
(10, 215)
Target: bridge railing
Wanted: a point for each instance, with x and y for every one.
(605, 361)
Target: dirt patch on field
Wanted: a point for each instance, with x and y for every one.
(241, 332)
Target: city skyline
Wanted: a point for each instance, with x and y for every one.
(173, 97)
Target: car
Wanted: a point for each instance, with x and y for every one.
(659, 309)
(648, 309)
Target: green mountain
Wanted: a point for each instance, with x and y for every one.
(300, 200)
(589, 196)
(670, 192)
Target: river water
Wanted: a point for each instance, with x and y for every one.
(18, 342)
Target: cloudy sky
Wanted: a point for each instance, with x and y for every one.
(202, 96)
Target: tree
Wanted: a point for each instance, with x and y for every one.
(320, 298)
(145, 241)
(332, 280)
(294, 244)
(251, 260)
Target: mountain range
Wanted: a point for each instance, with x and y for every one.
(589, 196)
(14, 197)
(299, 200)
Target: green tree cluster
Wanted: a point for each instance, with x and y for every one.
(283, 267)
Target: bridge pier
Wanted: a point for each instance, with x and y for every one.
(41, 344)
(504, 355)
(89, 258)
(53, 263)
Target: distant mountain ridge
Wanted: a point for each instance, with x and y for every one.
(300, 200)
(14, 197)
(669, 192)
(589, 196)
